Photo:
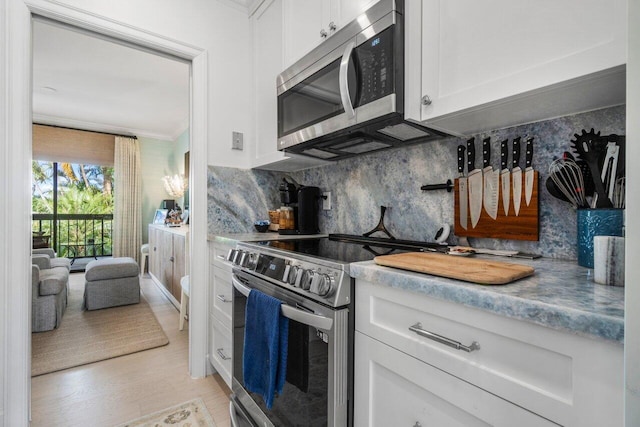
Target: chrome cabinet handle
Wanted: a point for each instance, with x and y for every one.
(426, 100)
(222, 355)
(222, 257)
(332, 26)
(417, 328)
(171, 259)
(343, 80)
(223, 299)
(323, 33)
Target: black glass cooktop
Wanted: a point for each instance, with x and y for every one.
(338, 248)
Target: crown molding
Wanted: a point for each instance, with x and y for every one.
(102, 127)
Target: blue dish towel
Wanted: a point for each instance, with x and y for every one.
(266, 333)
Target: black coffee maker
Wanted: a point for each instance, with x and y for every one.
(304, 202)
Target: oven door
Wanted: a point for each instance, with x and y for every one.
(316, 392)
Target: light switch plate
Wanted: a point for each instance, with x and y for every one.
(326, 201)
(237, 141)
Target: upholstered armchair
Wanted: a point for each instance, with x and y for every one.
(49, 284)
(54, 260)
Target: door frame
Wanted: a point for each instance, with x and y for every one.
(15, 177)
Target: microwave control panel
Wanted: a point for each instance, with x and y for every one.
(375, 57)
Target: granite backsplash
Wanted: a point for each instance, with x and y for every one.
(360, 185)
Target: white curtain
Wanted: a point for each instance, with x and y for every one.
(127, 217)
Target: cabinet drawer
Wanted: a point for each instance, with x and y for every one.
(393, 389)
(221, 296)
(220, 349)
(544, 370)
(218, 253)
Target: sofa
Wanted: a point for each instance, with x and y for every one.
(49, 288)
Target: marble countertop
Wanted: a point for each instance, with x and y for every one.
(560, 295)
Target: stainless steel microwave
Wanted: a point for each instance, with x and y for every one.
(346, 97)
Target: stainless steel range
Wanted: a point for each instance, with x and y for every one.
(311, 278)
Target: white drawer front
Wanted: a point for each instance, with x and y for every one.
(222, 295)
(218, 254)
(221, 350)
(393, 389)
(546, 371)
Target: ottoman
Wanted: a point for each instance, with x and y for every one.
(111, 282)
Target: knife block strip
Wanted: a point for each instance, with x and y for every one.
(525, 226)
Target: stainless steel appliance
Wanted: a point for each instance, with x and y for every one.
(311, 278)
(346, 97)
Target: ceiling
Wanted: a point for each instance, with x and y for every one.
(85, 82)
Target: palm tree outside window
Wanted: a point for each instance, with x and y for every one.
(73, 206)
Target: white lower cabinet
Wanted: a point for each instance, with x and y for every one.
(394, 389)
(517, 373)
(221, 350)
(220, 347)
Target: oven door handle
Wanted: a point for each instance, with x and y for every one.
(309, 319)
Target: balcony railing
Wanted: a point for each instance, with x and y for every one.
(74, 235)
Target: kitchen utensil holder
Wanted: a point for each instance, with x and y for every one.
(596, 222)
(380, 227)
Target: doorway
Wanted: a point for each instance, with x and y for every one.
(16, 226)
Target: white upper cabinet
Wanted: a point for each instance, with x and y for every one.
(516, 61)
(308, 23)
(267, 62)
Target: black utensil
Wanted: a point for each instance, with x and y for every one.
(589, 148)
(555, 191)
(589, 187)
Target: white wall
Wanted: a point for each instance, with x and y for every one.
(632, 279)
(180, 147)
(156, 161)
(225, 32)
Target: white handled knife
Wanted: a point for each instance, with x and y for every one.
(462, 188)
(528, 171)
(516, 176)
(491, 180)
(474, 181)
(505, 176)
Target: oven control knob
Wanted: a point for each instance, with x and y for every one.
(231, 255)
(238, 257)
(307, 278)
(243, 258)
(293, 274)
(250, 261)
(326, 285)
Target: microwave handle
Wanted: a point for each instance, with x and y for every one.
(309, 319)
(344, 80)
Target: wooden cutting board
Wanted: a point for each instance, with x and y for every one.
(484, 272)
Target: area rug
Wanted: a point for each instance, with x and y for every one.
(188, 414)
(90, 336)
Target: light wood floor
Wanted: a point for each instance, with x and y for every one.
(115, 391)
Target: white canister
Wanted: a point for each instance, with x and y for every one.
(608, 260)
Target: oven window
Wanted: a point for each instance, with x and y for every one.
(315, 99)
(304, 398)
